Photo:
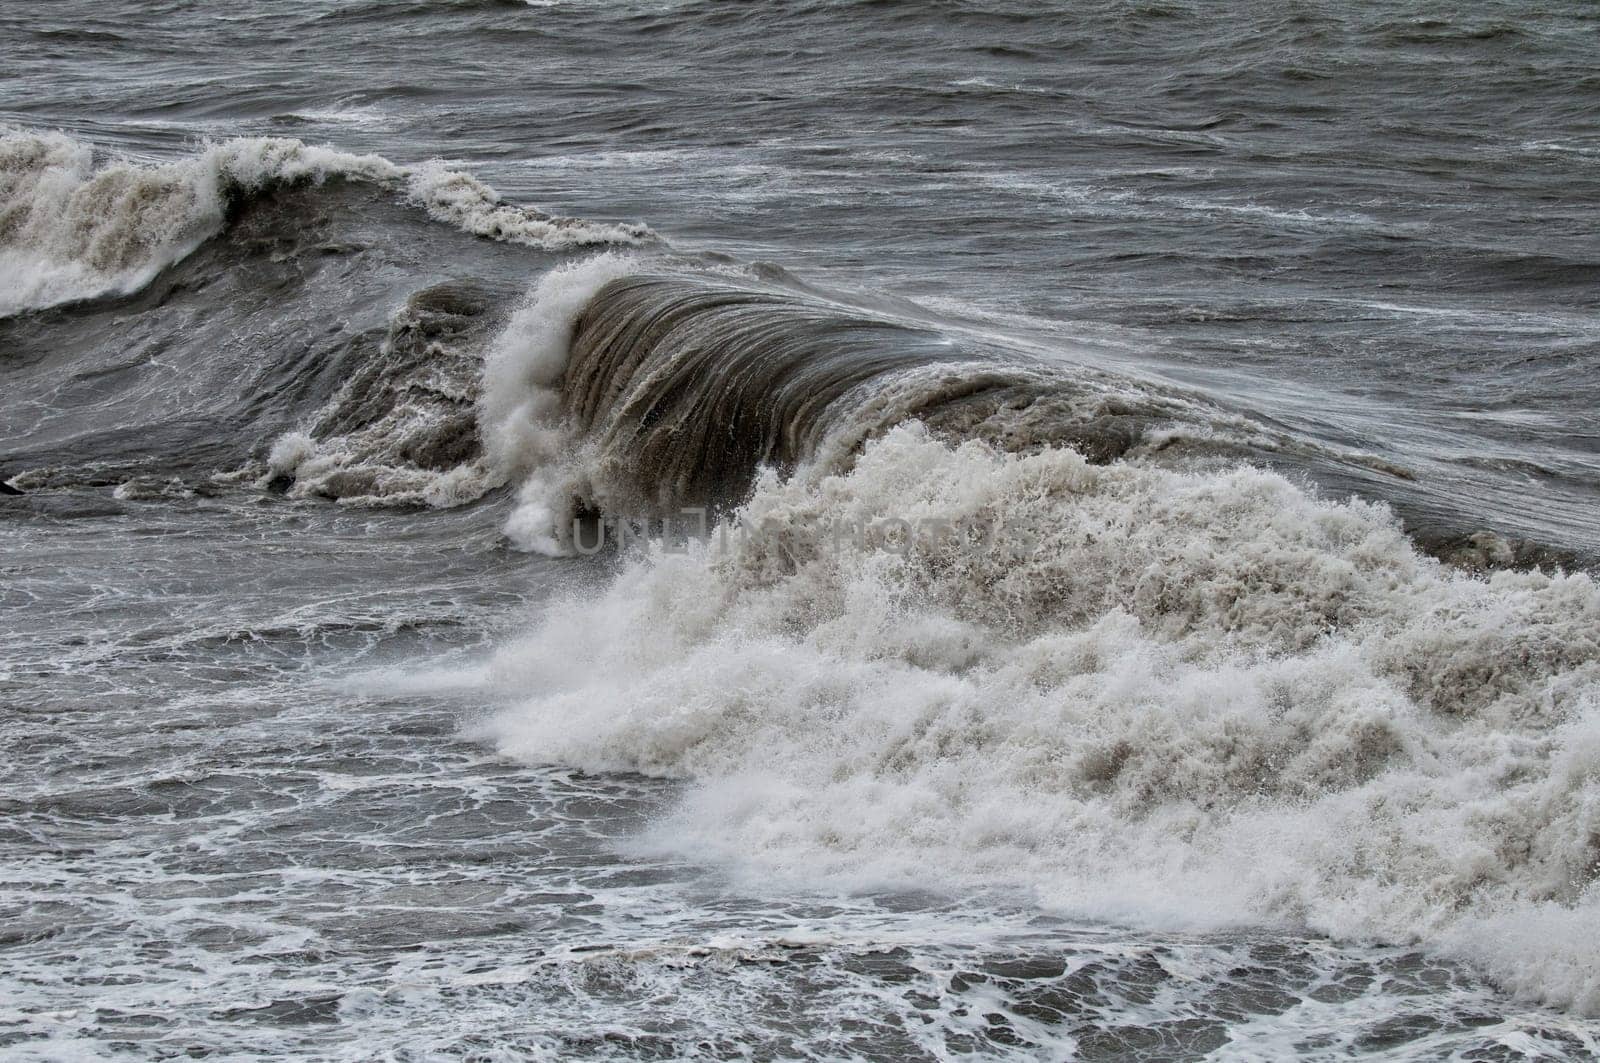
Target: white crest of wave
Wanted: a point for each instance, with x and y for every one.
(520, 415)
(1202, 699)
(470, 205)
(73, 227)
(508, 399)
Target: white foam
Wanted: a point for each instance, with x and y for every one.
(71, 229)
(510, 399)
(1201, 700)
(289, 452)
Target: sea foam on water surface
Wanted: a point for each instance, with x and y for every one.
(1201, 699)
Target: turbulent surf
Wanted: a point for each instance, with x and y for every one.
(440, 620)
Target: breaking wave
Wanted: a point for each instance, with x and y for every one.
(1174, 688)
(639, 383)
(74, 226)
(620, 388)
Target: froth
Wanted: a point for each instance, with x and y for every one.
(70, 229)
(472, 206)
(1198, 698)
(441, 413)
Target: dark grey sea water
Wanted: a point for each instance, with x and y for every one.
(319, 742)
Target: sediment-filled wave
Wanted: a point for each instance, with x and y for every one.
(638, 385)
(626, 391)
(689, 387)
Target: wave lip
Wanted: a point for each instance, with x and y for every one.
(73, 227)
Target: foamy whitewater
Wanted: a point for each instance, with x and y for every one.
(1199, 701)
(1194, 699)
(840, 531)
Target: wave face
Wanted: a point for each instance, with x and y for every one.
(627, 391)
(1194, 699)
(639, 385)
(687, 387)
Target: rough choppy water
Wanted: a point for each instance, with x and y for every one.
(321, 743)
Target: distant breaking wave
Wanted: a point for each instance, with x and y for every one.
(73, 228)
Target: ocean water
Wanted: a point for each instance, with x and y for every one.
(1109, 500)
